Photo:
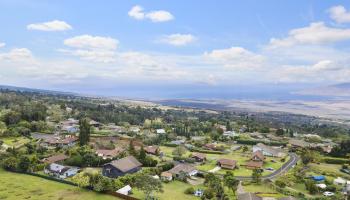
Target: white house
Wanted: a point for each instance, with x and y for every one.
(160, 131)
(229, 134)
(341, 181)
(124, 190)
(269, 151)
(60, 171)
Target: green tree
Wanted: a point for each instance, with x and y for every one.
(148, 185)
(230, 181)
(280, 132)
(142, 155)
(179, 151)
(81, 179)
(10, 163)
(85, 130)
(24, 164)
(311, 186)
(256, 176)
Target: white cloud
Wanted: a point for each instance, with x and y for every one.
(92, 42)
(316, 33)
(236, 57)
(138, 13)
(160, 16)
(339, 14)
(55, 25)
(16, 55)
(178, 39)
(92, 48)
(2, 44)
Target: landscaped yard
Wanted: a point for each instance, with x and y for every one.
(328, 169)
(241, 159)
(19, 186)
(14, 141)
(172, 191)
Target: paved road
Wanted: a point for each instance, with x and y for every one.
(285, 167)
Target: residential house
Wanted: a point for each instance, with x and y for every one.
(64, 142)
(186, 169)
(258, 156)
(340, 181)
(55, 159)
(229, 134)
(160, 131)
(95, 124)
(177, 142)
(295, 143)
(166, 176)
(269, 151)
(109, 153)
(121, 167)
(227, 163)
(212, 147)
(134, 129)
(199, 157)
(257, 161)
(154, 150)
(248, 196)
(126, 190)
(287, 198)
(61, 171)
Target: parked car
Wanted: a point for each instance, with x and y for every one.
(328, 194)
(270, 169)
(346, 171)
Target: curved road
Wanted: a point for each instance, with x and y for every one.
(285, 167)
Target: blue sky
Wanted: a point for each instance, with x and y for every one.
(99, 48)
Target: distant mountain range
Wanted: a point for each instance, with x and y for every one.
(24, 89)
(339, 90)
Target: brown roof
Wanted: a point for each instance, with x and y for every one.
(151, 149)
(166, 174)
(248, 196)
(182, 168)
(259, 155)
(199, 155)
(298, 143)
(255, 164)
(228, 162)
(126, 164)
(107, 152)
(210, 146)
(55, 158)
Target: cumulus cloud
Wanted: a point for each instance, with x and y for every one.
(339, 14)
(92, 42)
(2, 44)
(178, 39)
(137, 12)
(16, 55)
(92, 48)
(316, 33)
(236, 57)
(55, 25)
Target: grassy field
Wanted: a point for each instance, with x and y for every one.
(19, 186)
(172, 191)
(328, 169)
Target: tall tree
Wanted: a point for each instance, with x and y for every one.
(230, 181)
(148, 185)
(256, 176)
(85, 131)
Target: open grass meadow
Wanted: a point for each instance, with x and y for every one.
(20, 186)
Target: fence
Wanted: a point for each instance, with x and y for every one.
(115, 194)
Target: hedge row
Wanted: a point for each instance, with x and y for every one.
(206, 151)
(336, 160)
(254, 142)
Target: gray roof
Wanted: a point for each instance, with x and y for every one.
(269, 149)
(248, 196)
(287, 198)
(126, 164)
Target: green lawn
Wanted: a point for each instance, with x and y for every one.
(241, 159)
(19, 186)
(264, 189)
(172, 191)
